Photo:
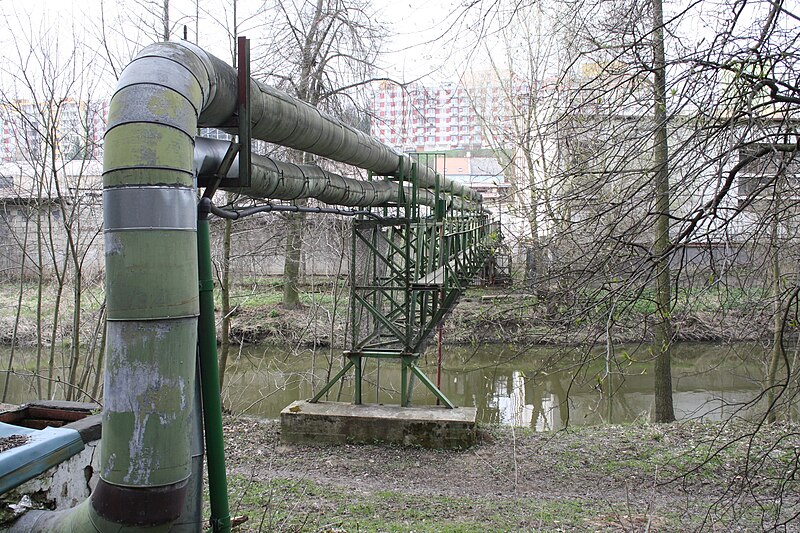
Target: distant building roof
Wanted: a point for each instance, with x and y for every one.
(457, 166)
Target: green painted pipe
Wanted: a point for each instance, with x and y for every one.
(209, 378)
(275, 179)
(150, 224)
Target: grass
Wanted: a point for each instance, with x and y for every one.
(270, 294)
(281, 504)
(632, 477)
(687, 300)
(93, 297)
(284, 505)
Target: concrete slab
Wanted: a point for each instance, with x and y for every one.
(346, 423)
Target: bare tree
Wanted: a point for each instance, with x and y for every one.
(673, 181)
(323, 52)
(48, 99)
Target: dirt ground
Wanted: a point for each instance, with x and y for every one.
(678, 477)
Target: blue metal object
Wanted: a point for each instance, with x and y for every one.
(45, 449)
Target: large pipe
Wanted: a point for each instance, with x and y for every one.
(276, 116)
(270, 178)
(150, 214)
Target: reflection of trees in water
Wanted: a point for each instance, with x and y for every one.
(528, 391)
(514, 398)
(707, 386)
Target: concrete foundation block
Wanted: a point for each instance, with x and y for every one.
(327, 423)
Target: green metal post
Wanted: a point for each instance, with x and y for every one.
(411, 380)
(209, 374)
(409, 272)
(357, 361)
(354, 319)
(332, 382)
(403, 382)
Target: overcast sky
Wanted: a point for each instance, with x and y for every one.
(426, 38)
(431, 38)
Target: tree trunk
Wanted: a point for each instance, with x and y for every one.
(291, 267)
(75, 352)
(294, 245)
(96, 386)
(166, 20)
(664, 411)
(18, 316)
(88, 367)
(39, 291)
(51, 364)
(778, 320)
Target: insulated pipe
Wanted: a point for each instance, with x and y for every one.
(149, 205)
(275, 179)
(279, 118)
(150, 233)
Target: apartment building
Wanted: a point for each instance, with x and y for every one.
(74, 128)
(448, 116)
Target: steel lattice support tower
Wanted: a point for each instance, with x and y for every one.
(408, 269)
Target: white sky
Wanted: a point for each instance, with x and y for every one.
(426, 37)
(414, 46)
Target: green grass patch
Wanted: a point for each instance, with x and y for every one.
(292, 505)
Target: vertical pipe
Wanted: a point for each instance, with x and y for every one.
(209, 375)
(355, 320)
(440, 227)
(439, 358)
(404, 381)
(151, 290)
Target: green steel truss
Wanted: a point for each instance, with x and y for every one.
(408, 269)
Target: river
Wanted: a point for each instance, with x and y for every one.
(536, 387)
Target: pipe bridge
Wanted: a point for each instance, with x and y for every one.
(418, 242)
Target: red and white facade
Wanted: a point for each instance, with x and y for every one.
(444, 117)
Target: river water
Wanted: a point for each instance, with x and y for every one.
(537, 387)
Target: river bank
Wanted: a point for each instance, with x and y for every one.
(687, 476)
(482, 316)
(497, 316)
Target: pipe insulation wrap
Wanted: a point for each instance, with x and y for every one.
(151, 287)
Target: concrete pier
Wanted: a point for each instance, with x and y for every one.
(346, 423)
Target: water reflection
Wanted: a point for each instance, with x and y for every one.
(541, 388)
(708, 385)
(511, 400)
